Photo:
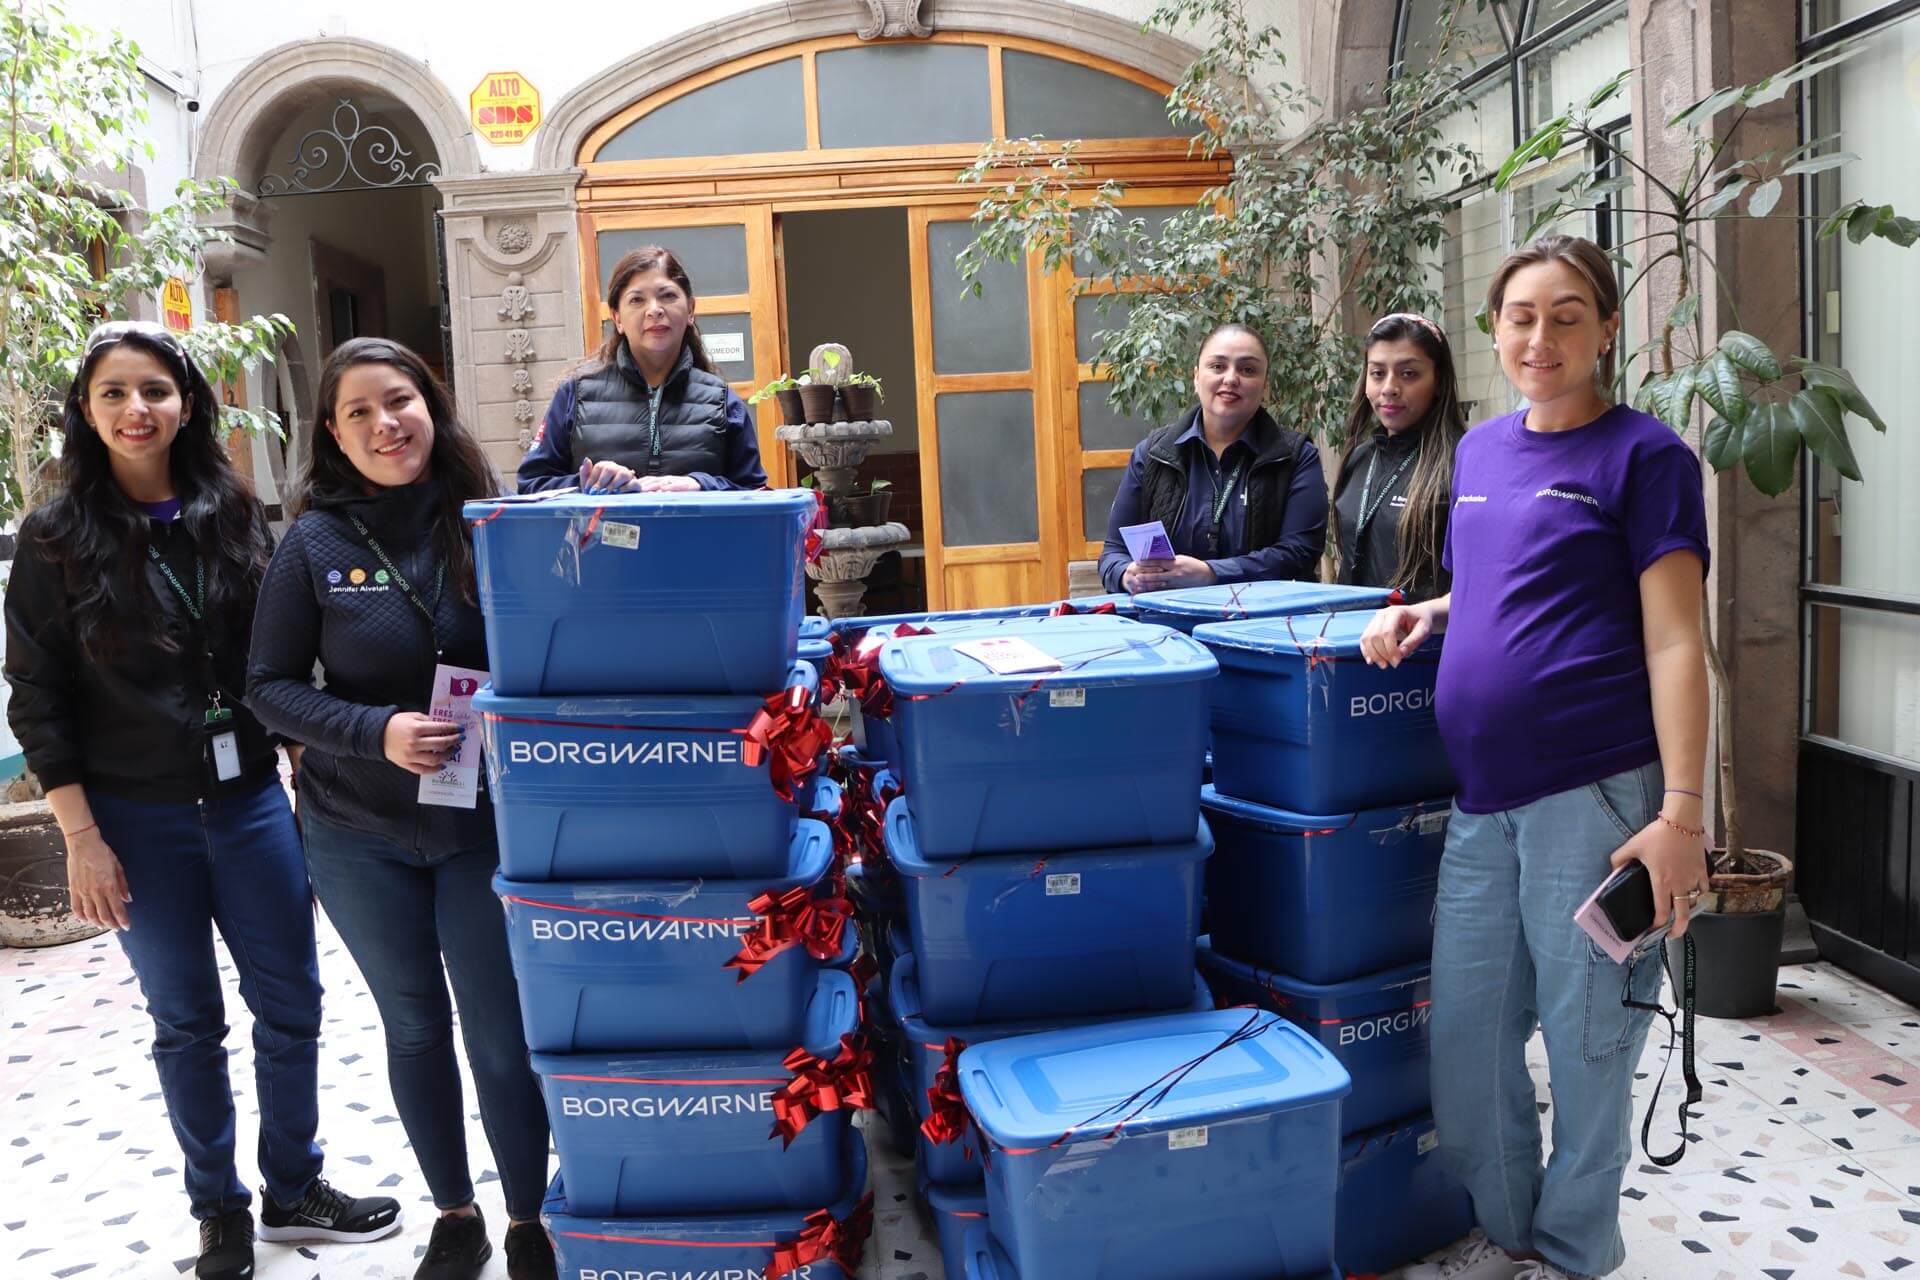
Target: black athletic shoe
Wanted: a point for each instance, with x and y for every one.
(457, 1250)
(325, 1214)
(530, 1253)
(226, 1247)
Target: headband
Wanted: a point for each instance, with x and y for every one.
(1420, 320)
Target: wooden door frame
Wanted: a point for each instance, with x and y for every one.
(332, 267)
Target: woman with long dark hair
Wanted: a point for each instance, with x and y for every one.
(128, 613)
(375, 583)
(647, 411)
(1396, 474)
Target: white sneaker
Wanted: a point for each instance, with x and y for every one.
(1475, 1258)
(1540, 1271)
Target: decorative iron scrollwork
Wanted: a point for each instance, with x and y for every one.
(348, 156)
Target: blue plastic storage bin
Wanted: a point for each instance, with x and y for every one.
(667, 592)
(984, 1259)
(1323, 897)
(955, 1211)
(1398, 1202)
(924, 1051)
(1125, 605)
(1104, 752)
(641, 787)
(935, 617)
(606, 966)
(1377, 1026)
(1054, 934)
(815, 627)
(737, 1246)
(691, 1132)
(1302, 722)
(815, 651)
(1199, 1144)
(1188, 607)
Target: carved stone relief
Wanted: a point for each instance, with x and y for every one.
(892, 19)
(516, 300)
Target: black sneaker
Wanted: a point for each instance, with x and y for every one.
(325, 1214)
(226, 1247)
(530, 1253)
(457, 1249)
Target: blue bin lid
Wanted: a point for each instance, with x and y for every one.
(1335, 635)
(815, 627)
(1123, 604)
(809, 854)
(883, 779)
(1032, 1090)
(824, 795)
(903, 997)
(658, 707)
(902, 835)
(1407, 986)
(1286, 822)
(570, 504)
(1093, 651)
(814, 651)
(935, 617)
(833, 1010)
(1222, 603)
(969, 1202)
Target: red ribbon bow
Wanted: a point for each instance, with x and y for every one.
(819, 1086)
(859, 672)
(791, 736)
(1067, 609)
(947, 1115)
(791, 919)
(868, 827)
(811, 543)
(826, 1239)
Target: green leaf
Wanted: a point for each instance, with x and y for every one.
(1720, 386)
(1822, 424)
(1770, 446)
(1605, 92)
(1818, 164)
(1750, 354)
(1725, 196)
(1838, 219)
(1722, 444)
(1764, 198)
(1865, 220)
(1838, 383)
(1648, 398)
(1681, 317)
(1680, 393)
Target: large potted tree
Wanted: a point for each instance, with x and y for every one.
(1738, 402)
(75, 249)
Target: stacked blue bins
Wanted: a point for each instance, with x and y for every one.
(1048, 847)
(1200, 1145)
(1329, 805)
(1188, 607)
(635, 640)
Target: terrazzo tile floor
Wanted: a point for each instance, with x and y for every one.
(1805, 1165)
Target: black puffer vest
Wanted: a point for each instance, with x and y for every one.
(1267, 480)
(613, 419)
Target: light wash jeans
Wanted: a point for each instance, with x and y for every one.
(1507, 957)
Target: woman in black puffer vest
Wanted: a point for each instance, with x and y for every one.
(648, 412)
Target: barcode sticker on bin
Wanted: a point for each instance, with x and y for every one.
(624, 536)
(1063, 883)
(1428, 823)
(1186, 1139)
(1066, 697)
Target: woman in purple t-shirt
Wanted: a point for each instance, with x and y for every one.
(1572, 700)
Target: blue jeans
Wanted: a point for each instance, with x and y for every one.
(402, 916)
(1507, 957)
(231, 863)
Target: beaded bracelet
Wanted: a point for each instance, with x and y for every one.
(1691, 833)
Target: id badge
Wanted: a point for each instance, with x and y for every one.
(457, 784)
(223, 743)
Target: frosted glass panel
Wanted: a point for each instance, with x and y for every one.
(1097, 488)
(897, 95)
(1866, 679)
(1153, 218)
(729, 339)
(759, 110)
(985, 334)
(1104, 427)
(1060, 100)
(715, 257)
(987, 475)
(1090, 317)
(1569, 75)
(1476, 34)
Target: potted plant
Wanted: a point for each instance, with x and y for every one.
(786, 393)
(860, 393)
(817, 397)
(1757, 410)
(870, 507)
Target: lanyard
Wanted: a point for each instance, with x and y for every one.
(197, 602)
(1367, 511)
(1685, 1034)
(1221, 497)
(400, 580)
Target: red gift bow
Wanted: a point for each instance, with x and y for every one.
(947, 1114)
(1067, 609)
(859, 672)
(819, 1086)
(791, 919)
(825, 1239)
(811, 543)
(790, 734)
(868, 822)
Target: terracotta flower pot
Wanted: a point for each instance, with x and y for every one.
(35, 910)
(792, 409)
(860, 401)
(817, 401)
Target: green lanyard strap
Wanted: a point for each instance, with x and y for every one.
(400, 579)
(197, 602)
(1221, 497)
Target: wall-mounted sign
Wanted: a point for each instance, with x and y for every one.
(505, 108)
(176, 304)
(726, 348)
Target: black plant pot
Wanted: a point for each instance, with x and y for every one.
(35, 910)
(1737, 962)
(869, 508)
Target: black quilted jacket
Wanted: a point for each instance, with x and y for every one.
(324, 600)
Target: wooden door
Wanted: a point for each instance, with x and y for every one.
(989, 464)
(730, 257)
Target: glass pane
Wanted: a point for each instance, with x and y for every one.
(1092, 313)
(1822, 14)
(985, 334)
(1102, 426)
(1864, 534)
(729, 340)
(987, 475)
(1059, 100)
(715, 257)
(1476, 34)
(1097, 489)
(1476, 241)
(1568, 74)
(897, 95)
(1483, 123)
(1548, 12)
(1153, 218)
(759, 110)
(1864, 671)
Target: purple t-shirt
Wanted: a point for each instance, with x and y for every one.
(1543, 682)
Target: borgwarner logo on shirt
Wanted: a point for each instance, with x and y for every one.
(1569, 495)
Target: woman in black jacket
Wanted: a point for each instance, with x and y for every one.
(127, 617)
(375, 582)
